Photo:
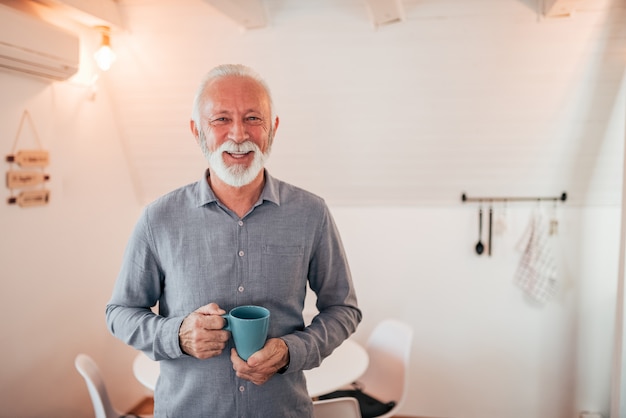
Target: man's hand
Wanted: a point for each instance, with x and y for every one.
(264, 363)
(201, 334)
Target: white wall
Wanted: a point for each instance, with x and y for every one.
(480, 350)
(59, 261)
(483, 95)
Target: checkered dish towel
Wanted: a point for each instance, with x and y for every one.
(536, 272)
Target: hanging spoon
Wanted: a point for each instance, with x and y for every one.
(479, 246)
(490, 228)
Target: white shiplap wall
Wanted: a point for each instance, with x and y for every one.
(481, 96)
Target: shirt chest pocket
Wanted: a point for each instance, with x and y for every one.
(283, 263)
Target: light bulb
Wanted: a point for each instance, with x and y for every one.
(105, 56)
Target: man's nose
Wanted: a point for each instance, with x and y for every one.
(238, 132)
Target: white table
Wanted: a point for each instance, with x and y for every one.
(345, 365)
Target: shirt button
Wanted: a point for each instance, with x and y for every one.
(241, 388)
(240, 289)
(240, 223)
(241, 253)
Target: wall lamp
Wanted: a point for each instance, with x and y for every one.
(105, 55)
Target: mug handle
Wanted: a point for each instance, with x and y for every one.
(227, 326)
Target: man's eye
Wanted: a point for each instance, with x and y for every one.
(218, 121)
(254, 120)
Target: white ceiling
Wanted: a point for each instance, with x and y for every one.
(461, 95)
(325, 61)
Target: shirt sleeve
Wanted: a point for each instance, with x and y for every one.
(129, 313)
(339, 315)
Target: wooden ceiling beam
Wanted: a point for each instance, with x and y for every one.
(249, 14)
(560, 8)
(384, 12)
(88, 12)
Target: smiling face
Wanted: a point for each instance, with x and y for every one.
(235, 129)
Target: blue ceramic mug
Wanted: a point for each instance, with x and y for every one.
(248, 324)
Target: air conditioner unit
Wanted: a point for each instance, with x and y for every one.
(32, 46)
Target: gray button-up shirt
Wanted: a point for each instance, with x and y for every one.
(188, 250)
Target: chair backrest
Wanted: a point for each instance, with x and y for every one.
(87, 367)
(336, 408)
(387, 375)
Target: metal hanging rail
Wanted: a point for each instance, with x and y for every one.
(465, 198)
(480, 246)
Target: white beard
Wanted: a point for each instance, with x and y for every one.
(236, 175)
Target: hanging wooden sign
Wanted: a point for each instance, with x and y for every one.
(28, 198)
(30, 158)
(17, 179)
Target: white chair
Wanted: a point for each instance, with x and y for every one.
(87, 367)
(336, 408)
(387, 375)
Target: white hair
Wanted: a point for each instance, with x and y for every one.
(226, 70)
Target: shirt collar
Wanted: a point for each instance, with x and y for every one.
(270, 190)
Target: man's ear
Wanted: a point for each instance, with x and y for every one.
(276, 124)
(194, 130)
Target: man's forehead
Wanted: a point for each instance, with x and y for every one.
(236, 83)
(224, 93)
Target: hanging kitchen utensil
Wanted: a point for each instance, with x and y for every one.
(490, 228)
(554, 222)
(499, 220)
(479, 246)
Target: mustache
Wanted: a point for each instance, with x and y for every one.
(232, 146)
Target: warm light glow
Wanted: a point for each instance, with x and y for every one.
(105, 56)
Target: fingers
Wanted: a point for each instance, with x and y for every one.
(200, 342)
(206, 350)
(201, 335)
(274, 352)
(209, 316)
(263, 364)
(210, 309)
(257, 375)
(204, 321)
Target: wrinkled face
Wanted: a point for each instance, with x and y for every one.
(236, 128)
